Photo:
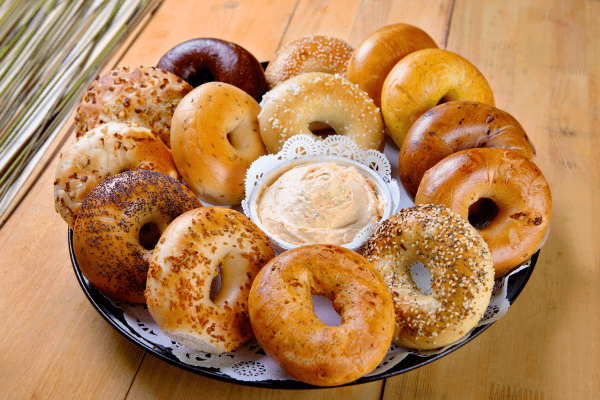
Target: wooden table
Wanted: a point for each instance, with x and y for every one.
(542, 59)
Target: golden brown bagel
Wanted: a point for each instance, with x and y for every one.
(104, 151)
(192, 251)
(461, 270)
(118, 225)
(375, 57)
(512, 182)
(287, 328)
(455, 126)
(293, 105)
(422, 80)
(215, 137)
(317, 53)
(146, 96)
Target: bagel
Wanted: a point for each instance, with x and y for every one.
(422, 80)
(196, 247)
(294, 104)
(375, 57)
(287, 328)
(215, 138)
(318, 53)
(204, 60)
(104, 151)
(146, 96)
(509, 185)
(118, 225)
(461, 270)
(455, 126)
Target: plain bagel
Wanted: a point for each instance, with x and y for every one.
(215, 138)
(375, 57)
(287, 328)
(422, 80)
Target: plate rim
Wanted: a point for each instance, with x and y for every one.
(521, 278)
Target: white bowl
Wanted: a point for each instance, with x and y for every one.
(270, 176)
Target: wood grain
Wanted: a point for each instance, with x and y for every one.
(543, 62)
(542, 348)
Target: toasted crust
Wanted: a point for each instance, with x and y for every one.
(146, 96)
(183, 267)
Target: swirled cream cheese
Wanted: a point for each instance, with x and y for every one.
(319, 203)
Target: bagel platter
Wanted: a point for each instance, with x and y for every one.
(336, 216)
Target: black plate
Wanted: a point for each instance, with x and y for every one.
(115, 317)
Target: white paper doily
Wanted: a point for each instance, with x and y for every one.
(300, 148)
(249, 363)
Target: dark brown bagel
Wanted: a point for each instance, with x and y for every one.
(203, 60)
(456, 126)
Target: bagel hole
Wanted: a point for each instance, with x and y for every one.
(482, 213)
(325, 311)
(448, 97)
(421, 276)
(236, 139)
(321, 129)
(149, 235)
(201, 77)
(215, 285)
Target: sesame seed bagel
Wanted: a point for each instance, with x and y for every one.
(455, 126)
(461, 270)
(190, 254)
(505, 195)
(118, 225)
(318, 53)
(146, 96)
(288, 110)
(287, 328)
(215, 139)
(424, 79)
(104, 151)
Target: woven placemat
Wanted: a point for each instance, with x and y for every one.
(49, 53)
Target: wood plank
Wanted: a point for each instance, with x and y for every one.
(354, 21)
(53, 342)
(541, 59)
(159, 379)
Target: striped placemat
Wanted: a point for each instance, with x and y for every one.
(50, 50)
